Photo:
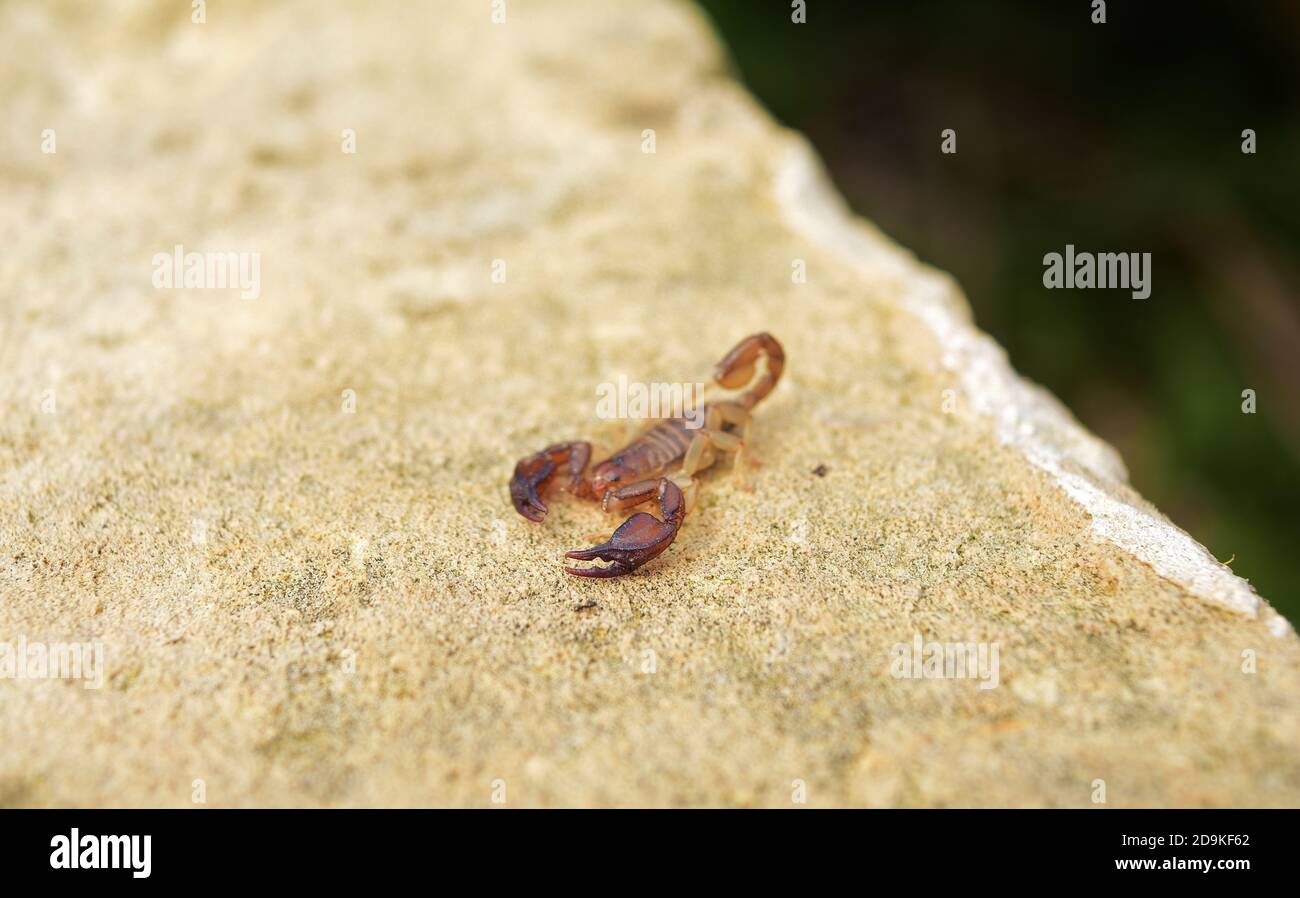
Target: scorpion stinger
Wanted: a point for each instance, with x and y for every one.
(639, 538)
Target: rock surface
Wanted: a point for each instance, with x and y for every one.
(307, 596)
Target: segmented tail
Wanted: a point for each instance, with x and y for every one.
(737, 368)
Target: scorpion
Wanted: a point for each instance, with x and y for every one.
(638, 472)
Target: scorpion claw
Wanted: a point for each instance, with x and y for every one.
(617, 569)
(533, 473)
(529, 475)
(636, 541)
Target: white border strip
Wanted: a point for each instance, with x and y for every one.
(1024, 415)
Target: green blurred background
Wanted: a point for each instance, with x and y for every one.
(1115, 137)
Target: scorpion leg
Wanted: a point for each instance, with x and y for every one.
(639, 538)
(533, 473)
(739, 418)
(700, 454)
(698, 457)
(736, 415)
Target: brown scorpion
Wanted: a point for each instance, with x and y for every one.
(639, 471)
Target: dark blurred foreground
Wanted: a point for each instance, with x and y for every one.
(1116, 137)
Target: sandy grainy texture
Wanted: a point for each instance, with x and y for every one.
(305, 606)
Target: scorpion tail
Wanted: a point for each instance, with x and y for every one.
(738, 366)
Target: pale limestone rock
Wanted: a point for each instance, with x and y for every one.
(302, 603)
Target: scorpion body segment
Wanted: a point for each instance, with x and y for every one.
(658, 465)
(653, 451)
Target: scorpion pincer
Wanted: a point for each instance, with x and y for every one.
(639, 472)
